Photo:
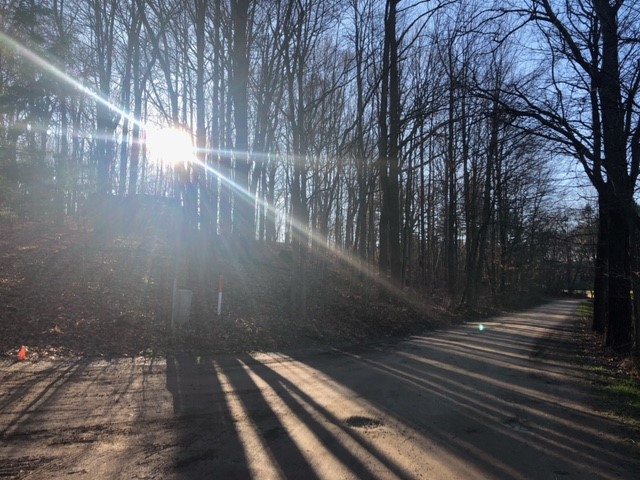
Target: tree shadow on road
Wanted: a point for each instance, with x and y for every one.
(499, 402)
(324, 425)
(504, 401)
(237, 418)
(201, 419)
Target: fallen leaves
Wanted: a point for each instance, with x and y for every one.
(67, 293)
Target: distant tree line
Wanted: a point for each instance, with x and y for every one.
(420, 139)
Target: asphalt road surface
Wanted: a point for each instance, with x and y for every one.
(503, 402)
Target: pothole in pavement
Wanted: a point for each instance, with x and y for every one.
(274, 433)
(516, 424)
(358, 421)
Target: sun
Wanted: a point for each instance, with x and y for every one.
(170, 146)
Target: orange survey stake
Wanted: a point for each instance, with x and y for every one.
(22, 354)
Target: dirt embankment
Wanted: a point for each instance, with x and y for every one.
(68, 292)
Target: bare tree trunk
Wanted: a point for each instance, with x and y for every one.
(270, 227)
(619, 326)
(133, 46)
(620, 188)
(225, 212)
(138, 89)
(393, 202)
(635, 264)
(244, 203)
(216, 124)
(407, 230)
(62, 163)
(451, 242)
(361, 164)
(600, 285)
(103, 18)
(502, 212)
(124, 145)
(201, 134)
(383, 152)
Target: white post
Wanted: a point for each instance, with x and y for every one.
(173, 302)
(220, 288)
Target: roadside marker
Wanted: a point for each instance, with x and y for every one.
(220, 288)
(22, 354)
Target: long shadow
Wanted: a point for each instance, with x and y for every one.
(69, 408)
(269, 425)
(216, 401)
(494, 410)
(502, 418)
(507, 359)
(24, 410)
(208, 445)
(501, 344)
(480, 403)
(404, 400)
(287, 390)
(21, 386)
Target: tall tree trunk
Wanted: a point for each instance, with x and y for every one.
(600, 284)
(295, 62)
(134, 160)
(407, 231)
(201, 134)
(470, 206)
(620, 191)
(393, 202)
(502, 212)
(451, 246)
(619, 327)
(211, 198)
(244, 203)
(635, 264)
(601, 266)
(383, 153)
(270, 227)
(132, 46)
(124, 145)
(361, 166)
(423, 223)
(225, 211)
(104, 14)
(62, 162)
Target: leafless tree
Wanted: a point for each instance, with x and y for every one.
(591, 109)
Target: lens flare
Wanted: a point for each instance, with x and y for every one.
(174, 145)
(170, 146)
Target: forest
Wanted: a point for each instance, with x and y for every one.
(475, 152)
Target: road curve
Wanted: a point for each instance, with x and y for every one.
(505, 401)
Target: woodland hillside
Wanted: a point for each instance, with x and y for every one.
(101, 284)
(67, 291)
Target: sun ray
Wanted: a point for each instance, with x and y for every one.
(358, 265)
(45, 65)
(353, 262)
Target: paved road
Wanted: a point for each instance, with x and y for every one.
(505, 402)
